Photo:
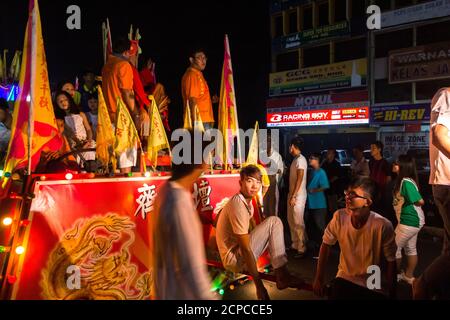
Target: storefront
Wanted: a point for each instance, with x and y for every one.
(403, 129)
(335, 120)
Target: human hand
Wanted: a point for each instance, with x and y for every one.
(292, 201)
(318, 288)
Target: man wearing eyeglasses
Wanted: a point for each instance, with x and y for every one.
(365, 239)
(195, 90)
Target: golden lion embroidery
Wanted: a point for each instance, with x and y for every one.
(94, 246)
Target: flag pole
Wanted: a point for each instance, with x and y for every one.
(33, 79)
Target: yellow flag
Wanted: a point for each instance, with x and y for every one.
(253, 156)
(253, 152)
(157, 140)
(126, 134)
(13, 70)
(16, 73)
(105, 132)
(198, 123)
(34, 126)
(187, 117)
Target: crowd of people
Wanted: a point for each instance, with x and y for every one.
(369, 238)
(76, 111)
(377, 225)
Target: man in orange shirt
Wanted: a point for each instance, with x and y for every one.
(195, 90)
(117, 81)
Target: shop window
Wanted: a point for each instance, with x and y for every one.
(316, 56)
(278, 26)
(287, 61)
(385, 92)
(340, 10)
(307, 18)
(292, 16)
(391, 41)
(432, 33)
(358, 8)
(323, 14)
(350, 50)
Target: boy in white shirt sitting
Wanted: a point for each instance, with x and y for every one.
(364, 237)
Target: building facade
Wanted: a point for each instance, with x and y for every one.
(339, 84)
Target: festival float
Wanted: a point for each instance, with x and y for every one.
(84, 235)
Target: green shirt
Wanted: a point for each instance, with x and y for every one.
(410, 214)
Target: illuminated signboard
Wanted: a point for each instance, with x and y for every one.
(328, 117)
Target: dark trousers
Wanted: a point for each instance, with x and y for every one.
(437, 276)
(342, 289)
(316, 223)
(319, 216)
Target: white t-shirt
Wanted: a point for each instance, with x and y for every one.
(278, 163)
(234, 220)
(440, 114)
(298, 163)
(360, 248)
(179, 260)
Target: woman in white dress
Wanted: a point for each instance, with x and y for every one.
(76, 124)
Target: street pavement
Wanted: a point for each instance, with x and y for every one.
(428, 248)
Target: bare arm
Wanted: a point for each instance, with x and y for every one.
(87, 126)
(420, 203)
(324, 254)
(192, 106)
(441, 140)
(250, 262)
(128, 99)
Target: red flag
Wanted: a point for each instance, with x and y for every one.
(228, 121)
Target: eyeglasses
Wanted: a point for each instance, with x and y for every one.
(353, 195)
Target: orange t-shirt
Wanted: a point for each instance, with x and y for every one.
(193, 85)
(116, 74)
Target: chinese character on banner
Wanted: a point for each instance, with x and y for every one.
(145, 200)
(201, 195)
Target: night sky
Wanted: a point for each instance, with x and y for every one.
(169, 29)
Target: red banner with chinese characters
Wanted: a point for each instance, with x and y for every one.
(99, 229)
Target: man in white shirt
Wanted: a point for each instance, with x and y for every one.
(240, 248)
(359, 166)
(275, 171)
(179, 260)
(364, 238)
(436, 278)
(297, 197)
